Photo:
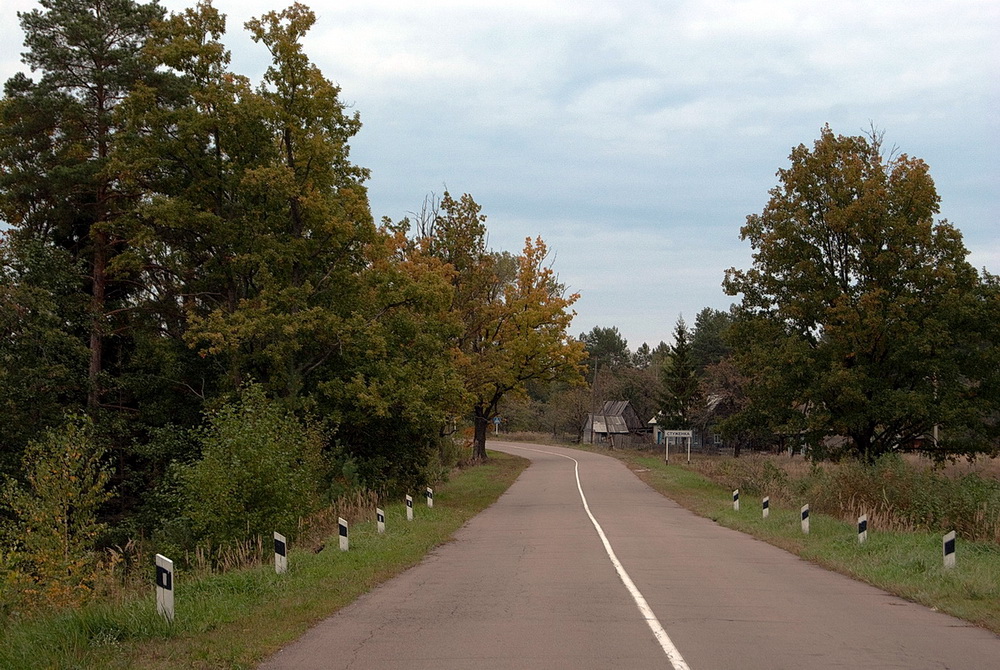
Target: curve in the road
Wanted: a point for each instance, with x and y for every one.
(673, 655)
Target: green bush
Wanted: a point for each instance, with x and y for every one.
(55, 525)
(261, 470)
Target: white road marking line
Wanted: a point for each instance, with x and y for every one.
(673, 655)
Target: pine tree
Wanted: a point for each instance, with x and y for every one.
(56, 135)
(679, 383)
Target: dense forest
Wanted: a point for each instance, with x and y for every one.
(204, 333)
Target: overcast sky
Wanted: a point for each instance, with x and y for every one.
(635, 136)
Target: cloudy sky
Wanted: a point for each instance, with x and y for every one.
(635, 136)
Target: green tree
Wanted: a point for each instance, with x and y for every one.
(43, 358)
(56, 136)
(860, 315)
(660, 354)
(606, 348)
(56, 526)
(261, 256)
(643, 356)
(708, 342)
(298, 270)
(680, 393)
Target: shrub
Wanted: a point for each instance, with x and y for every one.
(261, 470)
(55, 524)
(895, 494)
(753, 475)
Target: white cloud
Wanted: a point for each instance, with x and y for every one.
(635, 135)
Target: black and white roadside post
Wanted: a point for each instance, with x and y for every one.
(862, 529)
(805, 519)
(280, 553)
(765, 508)
(409, 507)
(948, 547)
(380, 519)
(165, 587)
(736, 500)
(342, 527)
(430, 496)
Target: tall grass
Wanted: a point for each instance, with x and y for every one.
(122, 572)
(896, 493)
(232, 609)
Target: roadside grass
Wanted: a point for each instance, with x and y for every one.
(906, 563)
(236, 619)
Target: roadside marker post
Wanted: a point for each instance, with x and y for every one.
(165, 587)
(766, 507)
(430, 496)
(342, 526)
(280, 553)
(805, 519)
(948, 547)
(862, 529)
(380, 518)
(409, 507)
(736, 500)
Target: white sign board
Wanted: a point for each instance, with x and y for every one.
(678, 433)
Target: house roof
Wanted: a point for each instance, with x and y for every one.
(604, 423)
(614, 407)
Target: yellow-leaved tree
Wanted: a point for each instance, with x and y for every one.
(513, 312)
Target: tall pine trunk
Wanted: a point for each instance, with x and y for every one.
(97, 308)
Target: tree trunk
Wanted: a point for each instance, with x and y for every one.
(479, 436)
(97, 307)
(863, 445)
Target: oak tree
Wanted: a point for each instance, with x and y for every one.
(860, 314)
(513, 313)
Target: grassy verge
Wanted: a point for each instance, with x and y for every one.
(236, 619)
(908, 564)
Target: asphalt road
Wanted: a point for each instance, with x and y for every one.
(531, 583)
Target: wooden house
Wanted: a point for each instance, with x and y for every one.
(615, 424)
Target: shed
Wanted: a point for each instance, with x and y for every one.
(615, 418)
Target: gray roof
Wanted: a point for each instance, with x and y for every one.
(610, 424)
(614, 407)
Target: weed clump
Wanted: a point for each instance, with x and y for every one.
(894, 493)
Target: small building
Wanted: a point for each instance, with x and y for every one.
(615, 424)
(704, 437)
